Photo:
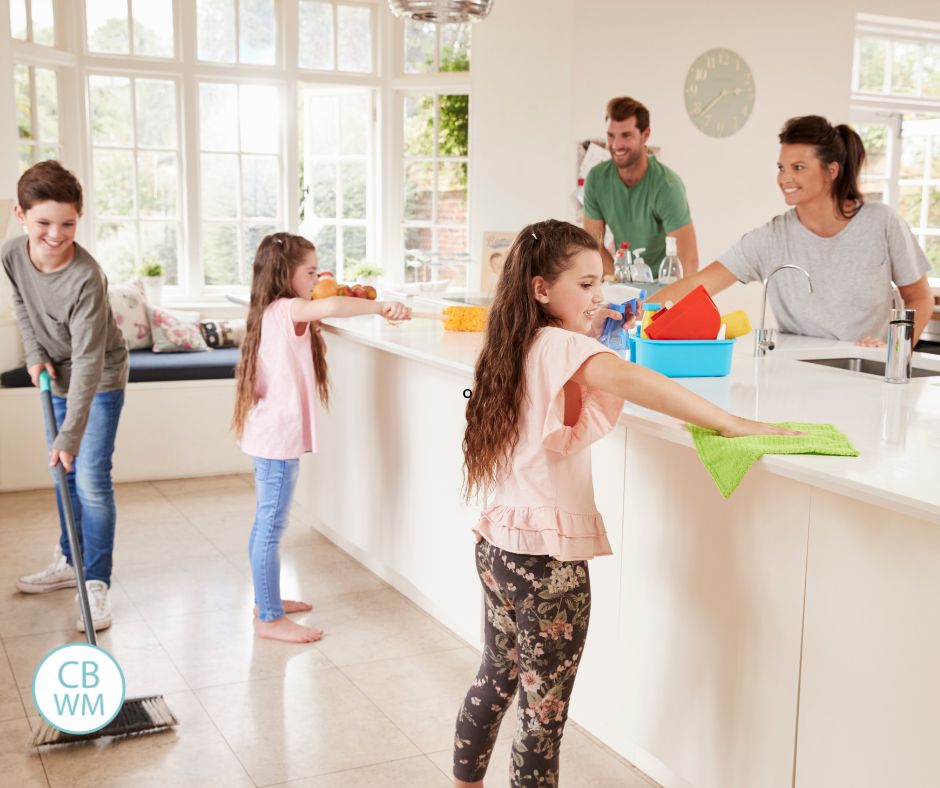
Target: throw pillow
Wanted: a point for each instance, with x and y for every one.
(130, 314)
(223, 333)
(175, 332)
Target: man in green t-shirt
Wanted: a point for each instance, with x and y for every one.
(640, 199)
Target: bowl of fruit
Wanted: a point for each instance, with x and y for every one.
(327, 287)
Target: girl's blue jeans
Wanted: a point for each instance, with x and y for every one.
(90, 485)
(275, 481)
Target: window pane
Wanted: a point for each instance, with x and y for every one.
(872, 54)
(107, 25)
(354, 246)
(153, 27)
(111, 110)
(932, 249)
(353, 175)
(251, 237)
(418, 244)
(47, 105)
(874, 191)
(355, 124)
(320, 126)
(451, 241)
(419, 47)
(24, 112)
(325, 241)
(257, 35)
(259, 186)
(354, 25)
(219, 254)
(904, 67)
(454, 125)
(116, 251)
(215, 30)
(259, 118)
(25, 157)
(43, 22)
(913, 154)
(909, 199)
(316, 35)
(931, 71)
(156, 113)
(455, 47)
(46, 152)
(933, 207)
(935, 157)
(157, 183)
(419, 191)
(18, 19)
(114, 182)
(219, 185)
(218, 117)
(452, 192)
(875, 138)
(323, 190)
(159, 243)
(419, 125)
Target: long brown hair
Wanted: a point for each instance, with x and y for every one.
(839, 144)
(278, 256)
(543, 249)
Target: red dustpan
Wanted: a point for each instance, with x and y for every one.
(693, 317)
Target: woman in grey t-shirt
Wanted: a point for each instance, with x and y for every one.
(852, 250)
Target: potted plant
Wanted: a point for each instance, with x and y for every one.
(151, 274)
(365, 273)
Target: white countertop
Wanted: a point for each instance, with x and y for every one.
(896, 428)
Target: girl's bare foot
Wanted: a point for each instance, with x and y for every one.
(290, 606)
(285, 629)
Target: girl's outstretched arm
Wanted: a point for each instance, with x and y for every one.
(303, 311)
(649, 389)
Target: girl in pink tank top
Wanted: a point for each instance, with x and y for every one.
(544, 390)
(281, 373)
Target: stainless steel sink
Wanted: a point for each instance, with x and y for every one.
(866, 365)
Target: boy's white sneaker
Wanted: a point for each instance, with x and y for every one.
(99, 601)
(55, 576)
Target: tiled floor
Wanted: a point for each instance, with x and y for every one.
(372, 704)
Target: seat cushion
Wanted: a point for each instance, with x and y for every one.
(149, 367)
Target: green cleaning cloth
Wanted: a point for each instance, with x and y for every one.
(728, 459)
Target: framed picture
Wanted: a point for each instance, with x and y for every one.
(495, 248)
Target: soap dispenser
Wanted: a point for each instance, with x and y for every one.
(639, 270)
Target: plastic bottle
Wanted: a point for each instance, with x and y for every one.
(615, 335)
(622, 263)
(649, 309)
(670, 270)
(640, 271)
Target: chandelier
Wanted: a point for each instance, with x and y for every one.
(442, 10)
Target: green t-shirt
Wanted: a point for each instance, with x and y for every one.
(643, 215)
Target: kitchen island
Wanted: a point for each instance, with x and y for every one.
(782, 637)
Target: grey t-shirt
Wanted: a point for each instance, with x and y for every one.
(65, 318)
(852, 271)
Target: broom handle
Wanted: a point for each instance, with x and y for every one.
(65, 496)
(430, 315)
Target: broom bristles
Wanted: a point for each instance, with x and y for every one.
(137, 715)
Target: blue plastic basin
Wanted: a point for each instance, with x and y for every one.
(684, 358)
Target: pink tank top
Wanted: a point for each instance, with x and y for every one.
(282, 424)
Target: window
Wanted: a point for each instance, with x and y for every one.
(896, 110)
(335, 37)
(33, 20)
(433, 48)
(135, 174)
(37, 114)
(337, 176)
(135, 27)
(435, 154)
(236, 31)
(240, 176)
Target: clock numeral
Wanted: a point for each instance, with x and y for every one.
(710, 61)
(692, 89)
(720, 127)
(701, 74)
(723, 59)
(696, 107)
(737, 64)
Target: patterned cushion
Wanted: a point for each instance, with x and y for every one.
(130, 313)
(223, 333)
(175, 332)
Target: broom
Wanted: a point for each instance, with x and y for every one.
(459, 318)
(137, 715)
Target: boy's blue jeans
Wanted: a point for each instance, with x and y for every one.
(275, 481)
(90, 485)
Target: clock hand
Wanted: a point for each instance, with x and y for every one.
(714, 101)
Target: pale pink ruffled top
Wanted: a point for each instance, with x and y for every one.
(282, 423)
(544, 503)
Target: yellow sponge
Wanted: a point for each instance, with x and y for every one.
(736, 324)
(465, 318)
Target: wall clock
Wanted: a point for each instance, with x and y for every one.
(719, 92)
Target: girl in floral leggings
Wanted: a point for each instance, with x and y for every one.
(544, 391)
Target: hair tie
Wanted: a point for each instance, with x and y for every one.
(279, 241)
(535, 236)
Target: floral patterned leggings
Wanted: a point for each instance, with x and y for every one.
(537, 611)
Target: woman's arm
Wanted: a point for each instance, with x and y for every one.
(649, 389)
(303, 311)
(714, 276)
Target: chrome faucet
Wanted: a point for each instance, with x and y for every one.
(764, 337)
(896, 297)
